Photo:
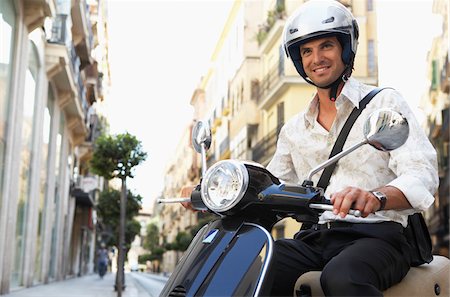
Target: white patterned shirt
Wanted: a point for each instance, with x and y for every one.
(303, 144)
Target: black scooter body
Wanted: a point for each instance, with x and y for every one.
(226, 258)
(231, 256)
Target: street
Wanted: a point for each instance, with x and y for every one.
(137, 285)
(151, 283)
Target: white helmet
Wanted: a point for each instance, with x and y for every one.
(321, 18)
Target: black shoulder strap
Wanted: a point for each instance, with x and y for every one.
(339, 144)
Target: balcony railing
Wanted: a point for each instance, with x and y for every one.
(265, 148)
(211, 159)
(272, 16)
(60, 31)
(224, 146)
(78, 80)
(269, 81)
(60, 34)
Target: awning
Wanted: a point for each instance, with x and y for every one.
(82, 198)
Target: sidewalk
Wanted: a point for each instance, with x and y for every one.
(85, 286)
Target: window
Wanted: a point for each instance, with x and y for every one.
(25, 169)
(280, 116)
(46, 135)
(434, 75)
(281, 53)
(59, 164)
(371, 57)
(369, 5)
(7, 29)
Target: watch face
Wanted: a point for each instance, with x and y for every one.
(380, 196)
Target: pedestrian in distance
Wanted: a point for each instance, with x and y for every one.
(102, 260)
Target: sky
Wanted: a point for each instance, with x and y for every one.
(159, 50)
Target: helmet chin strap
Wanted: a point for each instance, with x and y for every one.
(335, 85)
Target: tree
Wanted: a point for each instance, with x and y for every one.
(108, 210)
(182, 241)
(116, 157)
(151, 243)
(151, 240)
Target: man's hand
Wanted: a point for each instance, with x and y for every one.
(354, 198)
(366, 202)
(186, 191)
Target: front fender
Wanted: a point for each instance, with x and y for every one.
(224, 260)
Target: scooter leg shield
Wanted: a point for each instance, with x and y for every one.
(224, 260)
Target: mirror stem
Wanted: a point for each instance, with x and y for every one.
(335, 159)
(203, 154)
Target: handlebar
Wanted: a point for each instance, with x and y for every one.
(353, 212)
(280, 193)
(173, 200)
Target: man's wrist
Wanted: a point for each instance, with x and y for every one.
(381, 198)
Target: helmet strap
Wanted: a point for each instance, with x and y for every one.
(334, 86)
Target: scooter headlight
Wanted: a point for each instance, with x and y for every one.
(224, 185)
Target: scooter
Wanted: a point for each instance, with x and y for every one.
(232, 255)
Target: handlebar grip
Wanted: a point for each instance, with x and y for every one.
(329, 207)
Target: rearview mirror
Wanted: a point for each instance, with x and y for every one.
(386, 129)
(201, 136)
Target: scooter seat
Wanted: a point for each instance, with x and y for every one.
(425, 280)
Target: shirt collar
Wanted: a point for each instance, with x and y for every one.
(312, 111)
(352, 92)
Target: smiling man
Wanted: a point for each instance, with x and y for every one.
(358, 256)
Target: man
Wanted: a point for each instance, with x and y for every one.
(359, 256)
(102, 260)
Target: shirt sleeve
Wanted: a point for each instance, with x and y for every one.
(281, 164)
(414, 163)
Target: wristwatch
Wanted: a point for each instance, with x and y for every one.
(380, 196)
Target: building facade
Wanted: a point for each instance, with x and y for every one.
(437, 105)
(52, 74)
(173, 217)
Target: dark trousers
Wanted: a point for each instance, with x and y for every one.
(355, 259)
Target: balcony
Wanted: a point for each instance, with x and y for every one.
(35, 12)
(62, 66)
(274, 83)
(210, 160)
(95, 128)
(83, 37)
(217, 122)
(92, 83)
(224, 148)
(274, 19)
(265, 148)
(226, 111)
(82, 189)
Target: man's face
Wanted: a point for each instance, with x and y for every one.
(322, 60)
